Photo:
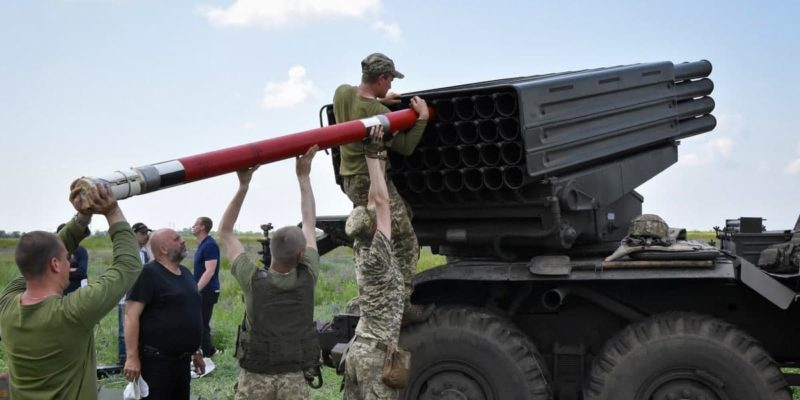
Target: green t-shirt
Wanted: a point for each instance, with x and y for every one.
(50, 345)
(244, 268)
(348, 106)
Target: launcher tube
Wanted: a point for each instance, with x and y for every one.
(487, 130)
(484, 106)
(434, 181)
(692, 70)
(467, 131)
(492, 178)
(695, 126)
(465, 108)
(450, 157)
(149, 178)
(447, 133)
(453, 180)
(489, 153)
(690, 89)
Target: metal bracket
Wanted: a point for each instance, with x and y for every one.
(765, 285)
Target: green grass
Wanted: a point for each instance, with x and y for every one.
(335, 288)
(703, 236)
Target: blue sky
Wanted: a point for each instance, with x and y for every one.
(88, 87)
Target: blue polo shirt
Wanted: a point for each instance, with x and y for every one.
(207, 250)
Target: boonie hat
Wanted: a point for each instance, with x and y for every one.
(359, 222)
(378, 63)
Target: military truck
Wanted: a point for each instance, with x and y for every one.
(527, 185)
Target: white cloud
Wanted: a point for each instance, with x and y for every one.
(248, 126)
(708, 153)
(763, 167)
(730, 124)
(391, 29)
(281, 13)
(792, 168)
(288, 93)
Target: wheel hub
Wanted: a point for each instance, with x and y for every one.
(451, 381)
(683, 385)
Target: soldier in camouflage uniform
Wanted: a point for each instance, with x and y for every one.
(356, 102)
(277, 341)
(380, 287)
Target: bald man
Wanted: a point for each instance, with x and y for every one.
(163, 321)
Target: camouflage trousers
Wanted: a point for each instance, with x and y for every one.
(404, 240)
(288, 386)
(363, 367)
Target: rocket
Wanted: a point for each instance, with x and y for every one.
(153, 177)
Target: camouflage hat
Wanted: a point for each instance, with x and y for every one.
(649, 225)
(359, 222)
(377, 63)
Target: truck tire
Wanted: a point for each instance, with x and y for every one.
(470, 353)
(684, 356)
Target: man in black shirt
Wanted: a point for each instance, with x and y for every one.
(163, 322)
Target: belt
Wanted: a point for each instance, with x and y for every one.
(371, 342)
(155, 352)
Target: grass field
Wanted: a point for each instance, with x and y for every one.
(335, 288)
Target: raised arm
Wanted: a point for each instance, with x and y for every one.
(378, 196)
(92, 303)
(308, 207)
(406, 143)
(231, 245)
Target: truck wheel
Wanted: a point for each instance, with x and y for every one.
(684, 356)
(470, 353)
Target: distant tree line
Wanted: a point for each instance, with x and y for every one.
(6, 235)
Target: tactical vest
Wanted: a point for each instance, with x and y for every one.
(282, 337)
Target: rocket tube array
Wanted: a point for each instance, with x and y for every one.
(475, 150)
(152, 177)
(472, 150)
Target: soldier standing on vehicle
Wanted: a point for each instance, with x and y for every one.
(277, 344)
(366, 100)
(380, 285)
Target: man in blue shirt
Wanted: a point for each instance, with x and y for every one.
(206, 274)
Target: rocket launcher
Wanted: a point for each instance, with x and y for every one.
(517, 167)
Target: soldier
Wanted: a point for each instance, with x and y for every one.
(380, 286)
(277, 342)
(49, 336)
(366, 100)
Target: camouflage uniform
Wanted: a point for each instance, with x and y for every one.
(404, 240)
(288, 386)
(380, 286)
(362, 374)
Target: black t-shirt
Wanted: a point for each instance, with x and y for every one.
(171, 320)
